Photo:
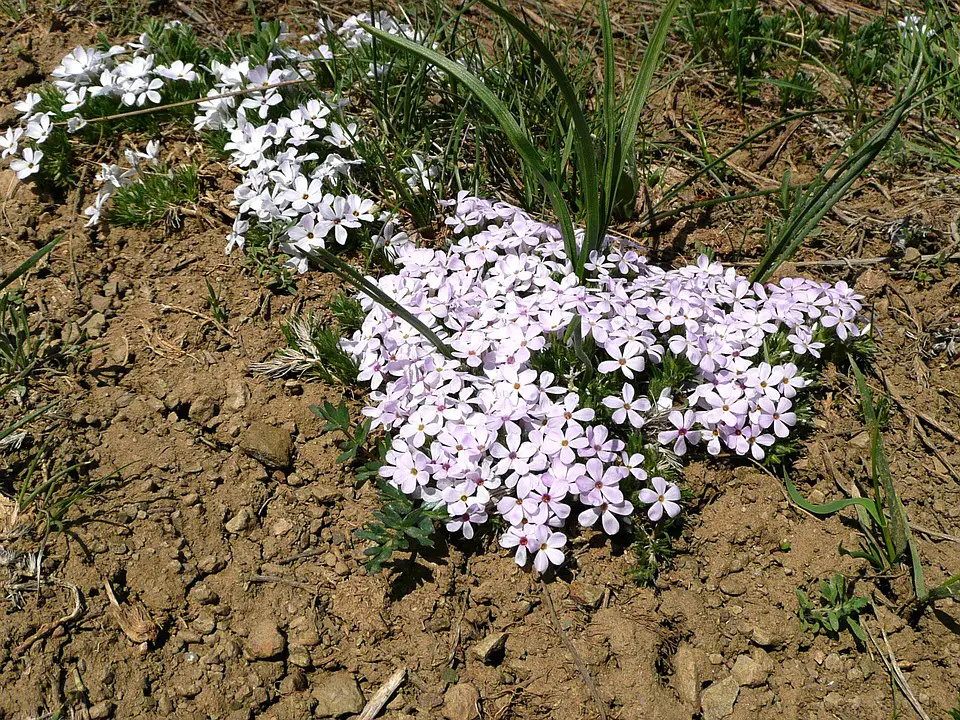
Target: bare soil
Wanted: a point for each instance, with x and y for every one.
(235, 559)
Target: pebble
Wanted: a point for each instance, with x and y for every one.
(490, 650)
(239, 522)
(205, 624)
(202, 410)
(210, 565)
(718, 700)
(586, 594)
(752, 671)
(833, 662)
(733, 585)
(337, 695)
(265, 641)
(272, 446)
(95, 325)
(461, 702)
(101, 711)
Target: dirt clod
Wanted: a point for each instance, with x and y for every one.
(337, 695)
(490, 650)
(269, 445)
(718, 700)
(265, 641)
(461, 702)
(752, 670)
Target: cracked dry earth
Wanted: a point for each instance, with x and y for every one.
(232, 525)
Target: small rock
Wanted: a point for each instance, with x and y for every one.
(205, 624)
(769, 633)
(299, 656)
(752, 671)
(490, 650)
(861, 441)
(165, 706)
(101, 710)
(911, 256)
(281, 527)
(587, 595)
(461, 702)
(190, 499)
(100, 303)
(871, 281)
(717, 700)
(239, 522)
(95, 325)
(236, 395)
(686, 675)
(210, 564)
(202, 410)
(833, 662)
(338, 695)
(341, 569)
(294, 682)
(733, 585)
(265, 641)
(269, 445)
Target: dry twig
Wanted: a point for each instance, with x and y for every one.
(382, 696)
(578, 661)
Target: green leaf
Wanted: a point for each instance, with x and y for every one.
(642, 83)
(27, 265)
(511, 128)
(587, 170)
(825, 193)
(827, 508)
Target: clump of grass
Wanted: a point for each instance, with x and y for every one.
(836, 610)
(215, 301)
(156, 198)
(313, 349)
(348, 312)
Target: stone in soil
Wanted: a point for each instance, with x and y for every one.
(337, 695)
(752, 670)
(490, 650)
(265, 641)
(461, 702)
(717, 700)
(269, 445)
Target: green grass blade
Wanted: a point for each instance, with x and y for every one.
(642, 83)
(345, 272)
(881, 468)
(587, 169)
(611, 169)
(827, 508)
(508, 123)
(813, 207)
(28, 264)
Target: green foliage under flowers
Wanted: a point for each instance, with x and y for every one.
(836, 610)
(398, 526)
(157, 197)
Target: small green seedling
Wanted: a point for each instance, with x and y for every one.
(837, 610)
(399, 526)
(338, 419)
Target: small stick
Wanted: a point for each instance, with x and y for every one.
(933, 533)
(894, 669)
(48, 628)
(578, 661)
(283, 581)
(383, 695)
(300, 556)
(925, 439)
(201, 316)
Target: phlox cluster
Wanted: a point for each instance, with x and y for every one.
(129, 73)
(487, 433)
(292, 149)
